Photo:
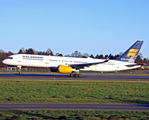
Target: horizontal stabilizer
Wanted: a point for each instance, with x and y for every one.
(132, 65)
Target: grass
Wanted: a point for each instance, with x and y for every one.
(73, 114)
(63, 91)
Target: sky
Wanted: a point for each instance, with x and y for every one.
(64, 26)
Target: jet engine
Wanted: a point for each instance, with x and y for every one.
(62, 69)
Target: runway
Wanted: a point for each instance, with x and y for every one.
(46, 106)
(84, 77)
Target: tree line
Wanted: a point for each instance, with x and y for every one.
(4, 55)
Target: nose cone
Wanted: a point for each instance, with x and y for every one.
(4, 61)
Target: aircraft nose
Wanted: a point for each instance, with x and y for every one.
(4, 61)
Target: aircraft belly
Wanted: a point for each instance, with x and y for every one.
(107, 68)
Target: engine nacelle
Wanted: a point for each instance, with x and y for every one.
(64, 69)
(54, 69)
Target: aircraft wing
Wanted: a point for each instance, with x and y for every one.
(79, 66)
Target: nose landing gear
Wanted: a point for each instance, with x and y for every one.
(19, 69)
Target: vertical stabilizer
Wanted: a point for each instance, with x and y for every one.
(131, 54)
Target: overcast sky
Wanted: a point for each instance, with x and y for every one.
(64, 26)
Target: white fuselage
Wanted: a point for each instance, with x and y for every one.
(55, 61)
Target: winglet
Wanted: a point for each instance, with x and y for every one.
(108, 58)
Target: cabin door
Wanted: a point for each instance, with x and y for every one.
(19, 58)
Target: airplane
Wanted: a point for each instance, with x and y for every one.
(73, 66)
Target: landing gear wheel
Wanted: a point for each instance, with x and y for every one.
(75, 75)
(20, 72)
(79, 75)
(71, 75)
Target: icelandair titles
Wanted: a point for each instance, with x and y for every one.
(32, 58)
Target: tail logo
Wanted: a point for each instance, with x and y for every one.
(132, 52)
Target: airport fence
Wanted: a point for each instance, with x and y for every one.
(39, 69)
(33, 69)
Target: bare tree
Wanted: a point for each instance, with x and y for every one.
(21, 51)
(97, 56)
(49, 52)
(101, 56)
(85, 55)
(76, 54)
(144, 60)
(58, 54)
(92, 56)
(30, 51)
(138, 59)
(141, 56)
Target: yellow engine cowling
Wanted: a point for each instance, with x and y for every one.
(64, 69)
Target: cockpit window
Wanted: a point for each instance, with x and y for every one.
(9, 57)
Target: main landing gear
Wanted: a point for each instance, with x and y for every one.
(75, 74)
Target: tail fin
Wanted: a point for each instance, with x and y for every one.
(131, 54)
